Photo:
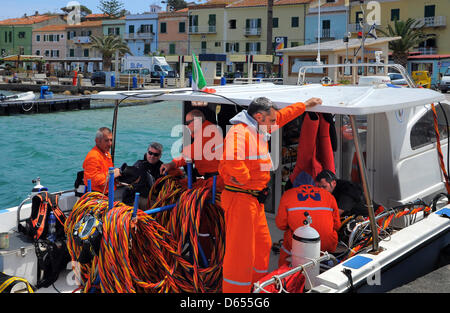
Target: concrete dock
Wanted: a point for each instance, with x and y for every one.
(437, 281)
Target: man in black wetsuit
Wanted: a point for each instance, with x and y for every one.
(349, 196)
(151, 163)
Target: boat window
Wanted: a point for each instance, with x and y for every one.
(423, 132)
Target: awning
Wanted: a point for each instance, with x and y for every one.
(351, 100)
(23, 58)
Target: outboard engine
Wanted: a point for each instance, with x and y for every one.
(305, 248)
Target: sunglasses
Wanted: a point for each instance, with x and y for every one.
(153, 153)
(188, 122)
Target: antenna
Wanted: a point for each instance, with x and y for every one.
(319, 62)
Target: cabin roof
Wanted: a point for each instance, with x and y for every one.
(351, 100)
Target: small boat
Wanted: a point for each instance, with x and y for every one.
(18, 97)
(403, 169)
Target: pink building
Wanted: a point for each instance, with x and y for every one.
(173, 38)
(51, 42)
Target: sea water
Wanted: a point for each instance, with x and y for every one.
(53, 146)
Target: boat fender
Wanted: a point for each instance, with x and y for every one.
(306, 248)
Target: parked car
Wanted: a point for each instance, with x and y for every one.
(98, 78)
(397, 79)
(444, 85)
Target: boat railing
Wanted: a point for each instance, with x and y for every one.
(301, 79)
(256, 80)
(29, 198)
(276, 279)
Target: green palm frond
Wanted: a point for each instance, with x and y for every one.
(411, 34)
(108, 45)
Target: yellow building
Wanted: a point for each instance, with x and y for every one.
(239, 28)
(433, 14)
(246, 31)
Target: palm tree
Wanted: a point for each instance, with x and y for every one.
(108, 45)
(412, 35)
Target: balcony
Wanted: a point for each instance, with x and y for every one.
(253, 31)
(427, 50)
(432, 21)
(82, 39)
(202, 29)
(327, 34)
(138, 36)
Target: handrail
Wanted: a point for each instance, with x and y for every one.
(252, 80)
(260, 286)
(19, 208)
(302, 71)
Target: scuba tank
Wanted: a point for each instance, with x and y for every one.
(38, 187)
(305, 248)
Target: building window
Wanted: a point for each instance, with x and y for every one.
(275, 22)
(86, 53)
(38, 37)
(147, 48)
(294, 21)
(131, 29)
(232, 24)
(217, 44)
(212, 20)
(395, 14)
(148, 28)
(232, 47)
(252, 47)
(430, 10)
(182, 27)
(204, 47)
(38, 52)
(163, 27)
(172, 48)
(21, 35)
(218, 69)
(72, 52)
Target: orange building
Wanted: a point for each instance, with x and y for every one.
(173, 32)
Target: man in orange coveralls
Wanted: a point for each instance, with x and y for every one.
(205, 151)
(245, 168)
(98, 161)
(321, 206)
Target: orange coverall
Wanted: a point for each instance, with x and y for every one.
(248, 242)
(321, 206)
(96, 167)
(206, 152)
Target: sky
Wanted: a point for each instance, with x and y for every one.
(17, 8)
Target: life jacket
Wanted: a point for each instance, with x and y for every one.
(36, 226)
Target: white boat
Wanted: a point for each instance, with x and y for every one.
(25, 96)
(401, 166)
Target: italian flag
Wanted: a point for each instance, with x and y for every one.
(198, 80)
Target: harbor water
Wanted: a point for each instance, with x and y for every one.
(53, 146)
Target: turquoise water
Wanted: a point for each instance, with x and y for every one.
(53, 146)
